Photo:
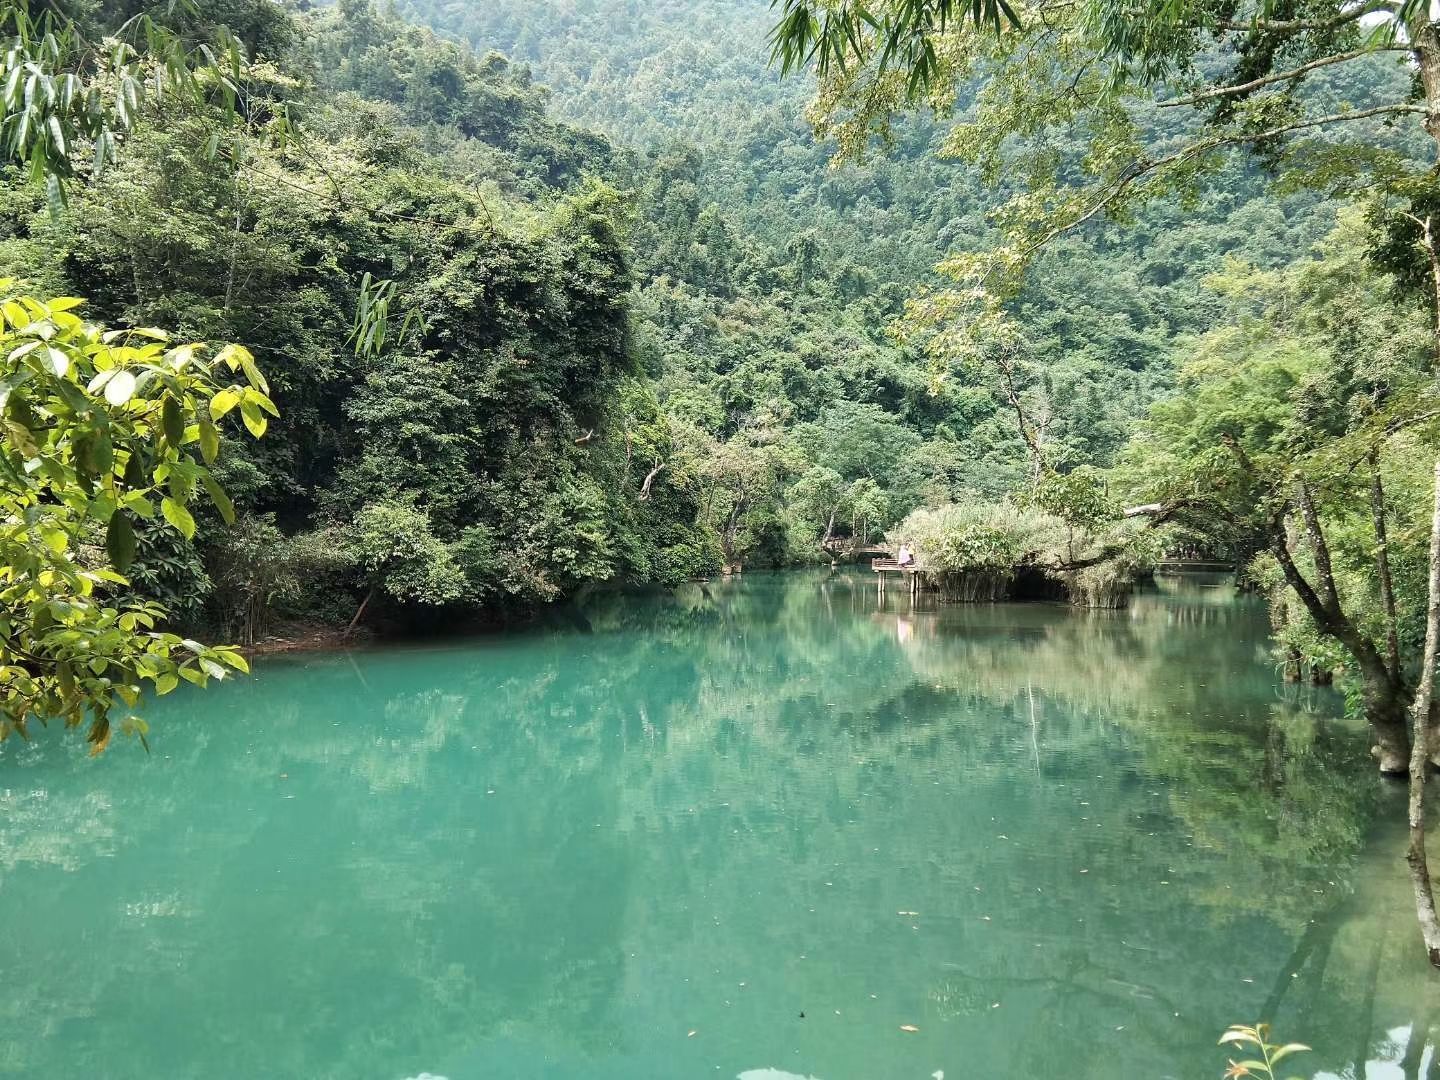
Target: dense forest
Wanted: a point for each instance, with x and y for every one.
(635, 353)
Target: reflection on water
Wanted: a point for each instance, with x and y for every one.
(755, 828)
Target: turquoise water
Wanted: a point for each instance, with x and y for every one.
(643, 843)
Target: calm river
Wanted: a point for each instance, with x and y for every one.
(753, 829)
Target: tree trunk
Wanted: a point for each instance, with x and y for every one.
(1419, 754)
(360, 612)
(1382, 563)
(650, 479)
(1384, 692)
(1426, 47)
(1027, 430)
(1386, 712)
(1320, 551)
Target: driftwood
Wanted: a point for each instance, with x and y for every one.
(1147, 510)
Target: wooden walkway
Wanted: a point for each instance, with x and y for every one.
(883, 567)
(843, 547)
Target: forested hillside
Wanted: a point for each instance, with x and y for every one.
(689, 86)
(630, 328)
(488, 452)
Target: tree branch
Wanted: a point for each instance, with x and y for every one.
(1294, 26)
(1284, 76)
(650, 479)
(1320, 549)
(1144, 168)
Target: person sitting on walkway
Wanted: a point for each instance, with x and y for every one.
(905, 557)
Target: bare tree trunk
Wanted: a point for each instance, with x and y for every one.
(234, 241)
(360, 613)
(1426, 49)
(829, 532)
(1419, 753)
(1324, 575)
(1382, 563)
(1027, 430)
(649, 479)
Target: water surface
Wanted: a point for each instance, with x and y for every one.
(756, 825)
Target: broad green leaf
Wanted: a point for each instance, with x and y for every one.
(173, 421)
(120, 542)
(176, 514)
(254, 419)
(139, 505)
(223, 402)
(209, 437)
(219, 498)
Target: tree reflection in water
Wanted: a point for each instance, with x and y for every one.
(1057, 843)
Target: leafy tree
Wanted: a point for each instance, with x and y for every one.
(101, 428)
(70, 92)
(395, 548)
(1292, 409)
(1103, 67)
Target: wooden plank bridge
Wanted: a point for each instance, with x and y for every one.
(842, 546)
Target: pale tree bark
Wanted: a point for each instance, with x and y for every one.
(1034, 438)
(1425, 40)
(649, 480)
(360, 611)
(1419, 753)
(1382, 563)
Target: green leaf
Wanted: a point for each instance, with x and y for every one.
(209, 437)
(173, 421)
(219, 498)
(139, 505)
(120, 542)
(178, 516)
(102, 507)
(223, 402)
(254, 419)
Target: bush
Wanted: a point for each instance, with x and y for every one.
(972, 552)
